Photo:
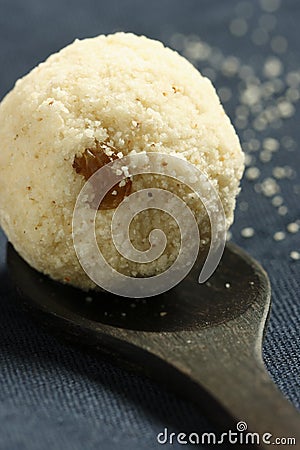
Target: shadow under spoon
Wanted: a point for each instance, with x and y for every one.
(205, 341)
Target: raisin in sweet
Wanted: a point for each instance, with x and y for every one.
(93, 159)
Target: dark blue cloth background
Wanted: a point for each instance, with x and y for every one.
(56, 397)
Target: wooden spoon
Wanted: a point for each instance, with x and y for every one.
(205, 341)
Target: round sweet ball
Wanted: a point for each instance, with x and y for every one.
(95, 101)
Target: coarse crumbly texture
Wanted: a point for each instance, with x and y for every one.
(132, 93)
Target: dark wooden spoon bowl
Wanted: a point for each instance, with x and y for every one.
(205, 341)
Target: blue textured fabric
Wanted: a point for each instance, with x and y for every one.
(57, 397)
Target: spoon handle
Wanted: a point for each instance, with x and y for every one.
(240, 395)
